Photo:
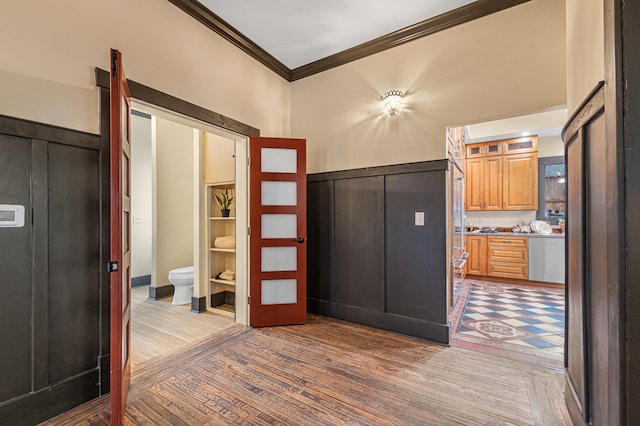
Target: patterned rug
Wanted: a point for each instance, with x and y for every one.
(528, 321)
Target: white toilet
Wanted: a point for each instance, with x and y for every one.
(182, 280)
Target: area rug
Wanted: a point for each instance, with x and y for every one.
(527, 321)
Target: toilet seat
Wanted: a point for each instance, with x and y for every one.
(185, 272)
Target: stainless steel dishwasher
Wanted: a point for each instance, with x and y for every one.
(546, 259)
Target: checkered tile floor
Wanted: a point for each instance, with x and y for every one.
(527, 321)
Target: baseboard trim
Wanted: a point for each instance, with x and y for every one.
(141, 280)
(198, 304)
(36, 407)
(156, 293)
(404, 325)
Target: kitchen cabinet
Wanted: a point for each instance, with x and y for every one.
(477, 249)
(520, 182)
(219, 159)
(502, 175)
(508, 257)
(484, 183)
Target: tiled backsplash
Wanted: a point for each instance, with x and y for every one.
(499, 218)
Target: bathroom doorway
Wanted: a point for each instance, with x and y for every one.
(168, 231)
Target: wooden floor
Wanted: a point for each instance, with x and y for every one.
(159, 328)
(330, 372)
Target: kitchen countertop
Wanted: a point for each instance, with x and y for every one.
(517, 234)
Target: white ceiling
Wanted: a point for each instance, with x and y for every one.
(298, 32)
(542, 124)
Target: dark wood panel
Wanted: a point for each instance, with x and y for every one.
(628, 158)
(575, 315)
(105, 242)
(416, 255)
(32, 130)
(160, 99)
(41, 405)
(596, 270)
(74, 259)
(320, 240)
(359, 242)
(40, 190)
(422, 166)
(15, 272)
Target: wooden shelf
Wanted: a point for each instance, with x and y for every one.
(222, 218)
(220, 281)
(229, 183)
(222, 250)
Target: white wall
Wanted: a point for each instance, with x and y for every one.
(48, 50)
(141, 196)
(506, 64)
(174, 199)
(550, 147)
(585, 55)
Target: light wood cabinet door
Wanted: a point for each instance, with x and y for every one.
(474, 184)
(520, 182)
(477, 260)
(483, 180)
(493, 178)
(508, 257)
(219, 159)
(520, 145)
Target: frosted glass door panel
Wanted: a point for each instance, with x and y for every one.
(279, 259)
(279, 292)
(279, 193)
(279, 160)
(279, 225)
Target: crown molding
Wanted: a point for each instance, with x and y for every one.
(430, 26)
(235, 37)
(438, 23)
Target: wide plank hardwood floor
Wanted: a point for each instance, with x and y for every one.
(330, 372)
(159, 328)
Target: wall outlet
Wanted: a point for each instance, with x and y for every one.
(419, 218)
(137, 218)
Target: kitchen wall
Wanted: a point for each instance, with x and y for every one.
(48, 51)
(509, 63)
(141, 196)
(173, 222)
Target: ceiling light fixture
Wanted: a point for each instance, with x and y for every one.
(393, 101)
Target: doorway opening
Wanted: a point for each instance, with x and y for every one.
(506, 238)
(175, 162)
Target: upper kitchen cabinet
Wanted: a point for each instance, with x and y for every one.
(502, 175)
(484, 183)
(520, 182)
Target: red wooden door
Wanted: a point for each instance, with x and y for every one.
(120, 239)
(278, 220)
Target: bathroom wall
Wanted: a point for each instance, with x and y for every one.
(173, 207)
(141, 196)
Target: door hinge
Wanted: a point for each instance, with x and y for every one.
(112, 266)
(249, 300)
(248, 161)
(249, 231)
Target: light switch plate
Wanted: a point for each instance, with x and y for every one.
(419, 218)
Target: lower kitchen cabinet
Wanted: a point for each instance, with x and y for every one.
(477, 260)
